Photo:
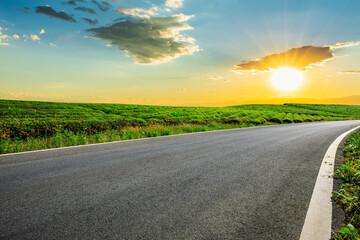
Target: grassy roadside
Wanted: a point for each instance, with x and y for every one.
(349, 192)
(64, 138)
(31, 125)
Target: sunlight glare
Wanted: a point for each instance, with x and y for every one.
(287, 79)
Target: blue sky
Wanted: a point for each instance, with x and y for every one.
(205, 40)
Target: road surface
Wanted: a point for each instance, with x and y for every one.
(251, 183)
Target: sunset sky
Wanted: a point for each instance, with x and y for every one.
(180, 52)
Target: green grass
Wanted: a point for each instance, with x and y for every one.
(349, 193)
(69, 138)
(30, 125)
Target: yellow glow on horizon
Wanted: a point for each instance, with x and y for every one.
(287, 79)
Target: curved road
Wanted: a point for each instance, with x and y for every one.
(251, 183)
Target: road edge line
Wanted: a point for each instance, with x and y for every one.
(317, 223)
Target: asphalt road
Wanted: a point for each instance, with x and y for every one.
(238, 184)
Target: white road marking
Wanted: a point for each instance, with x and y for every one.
(317, 224)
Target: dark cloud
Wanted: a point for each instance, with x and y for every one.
(120, 19)
(49, 11)
(153, 40)
(103, 6)
(90, 21)
(299, 58)
(24, 10)
(106, 3)
(71, 2)
(85, 9)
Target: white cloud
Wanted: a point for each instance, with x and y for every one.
(42, 31)
(174, 3)
(52, 45)
(140, 12)
(15, 36)
(345, 44)
(153, 11)
(35, 37)
(3, 37)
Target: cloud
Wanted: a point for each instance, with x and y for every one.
(49, 11)
(42, 31)
(103, 6)
(15, 36)
(150, 41)
(174, 3)
(34, 37)
(139, 12)
(346, 44)
(298, 58)
(24, 10)
(71, 2)
(215, 78)
(90, 21)
(350, 72)
(25, 37)
(52, 45)
(85, 9)
(301, 58)
(3, 37)
(153, 11)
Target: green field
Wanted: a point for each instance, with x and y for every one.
(30, 125)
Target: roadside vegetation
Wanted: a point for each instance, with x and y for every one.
(349, 193)
(30, 125)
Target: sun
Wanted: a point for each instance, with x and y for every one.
(286, 79)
